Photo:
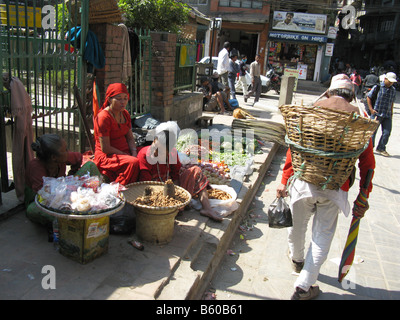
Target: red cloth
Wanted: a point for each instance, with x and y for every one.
(113, 90)
(190, 178)
(123, 169)
(37, 169)
(149, 172)
(365, 161)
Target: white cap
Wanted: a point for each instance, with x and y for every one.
(391, 76)
(341, 81)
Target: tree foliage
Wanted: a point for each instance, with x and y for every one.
(156, 15)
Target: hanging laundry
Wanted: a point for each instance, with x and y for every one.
(126, 53)
(93, 51)
(21, 110)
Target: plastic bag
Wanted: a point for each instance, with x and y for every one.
(224, 207)
(279, 215)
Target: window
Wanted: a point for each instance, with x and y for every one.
(197, 2)
(254, 4)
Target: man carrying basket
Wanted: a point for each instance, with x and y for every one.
(307, 199)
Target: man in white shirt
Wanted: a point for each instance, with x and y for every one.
(223, 63)
(255, 73)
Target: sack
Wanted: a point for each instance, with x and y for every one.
(279, 215)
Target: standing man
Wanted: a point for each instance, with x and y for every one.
(223, 63)
(382, 109)
(255, 72)
(307, 200)
(242, 76)
(232, 74)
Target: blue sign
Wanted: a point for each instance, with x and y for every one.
(297, 37)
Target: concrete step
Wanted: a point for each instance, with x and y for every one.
(197, 268)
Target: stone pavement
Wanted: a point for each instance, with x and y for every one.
(184, 268)
(256, 266)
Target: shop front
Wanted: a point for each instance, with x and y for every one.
(300, 49)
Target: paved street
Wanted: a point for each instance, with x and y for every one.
(257, 267)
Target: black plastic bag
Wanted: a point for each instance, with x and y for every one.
(279, 215)
(123, 221)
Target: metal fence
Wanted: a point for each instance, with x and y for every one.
(185, 65)
(139, 84)
(35, 48)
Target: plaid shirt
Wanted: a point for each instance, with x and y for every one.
(384, 100)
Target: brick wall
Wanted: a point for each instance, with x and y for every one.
(162, 74)
(110, 39)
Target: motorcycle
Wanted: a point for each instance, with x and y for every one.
(273, 81)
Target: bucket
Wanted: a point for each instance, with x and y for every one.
(156, 228)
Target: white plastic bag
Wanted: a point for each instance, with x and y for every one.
(224, 207)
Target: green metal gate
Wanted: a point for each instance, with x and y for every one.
(35, 48)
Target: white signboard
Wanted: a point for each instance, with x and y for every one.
(302, 68)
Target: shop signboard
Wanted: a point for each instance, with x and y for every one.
(292, 73)
(299, 21)
(302, 68)
(329, 49)
(297, 37)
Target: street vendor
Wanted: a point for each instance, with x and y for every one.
(160, 162)
(115, 151)
(52, 158)
(307, 199)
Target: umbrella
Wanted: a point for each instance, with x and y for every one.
(350, 247)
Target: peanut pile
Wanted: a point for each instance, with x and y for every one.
(218, 194)
(157, 199)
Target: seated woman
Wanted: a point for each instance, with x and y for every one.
(52, 158)
(160, 162)
(115, 150)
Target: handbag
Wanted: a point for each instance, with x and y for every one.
(279, 215)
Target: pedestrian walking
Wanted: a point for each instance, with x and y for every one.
(382, 109)
(356, 80)
(307, 200)
(223, 63)
(255, 72)
(232, 74)
(242, 76)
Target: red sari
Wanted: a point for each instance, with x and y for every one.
(123, 169)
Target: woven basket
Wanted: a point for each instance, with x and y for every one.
(136, 190)
(100, 11)
(154, 225)
(325, 143)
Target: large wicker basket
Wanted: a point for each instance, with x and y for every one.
(325, 143)
(100, 11)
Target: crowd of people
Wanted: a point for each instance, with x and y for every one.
(220, 89)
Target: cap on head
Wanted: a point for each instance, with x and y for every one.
(391, 76)
(341, 81)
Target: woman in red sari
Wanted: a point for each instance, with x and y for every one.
(158, 163)
(115, 151)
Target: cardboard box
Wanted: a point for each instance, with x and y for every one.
(84, 240)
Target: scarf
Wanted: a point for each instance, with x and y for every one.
(113, 90)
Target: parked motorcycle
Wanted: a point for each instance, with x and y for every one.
(273, 81)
